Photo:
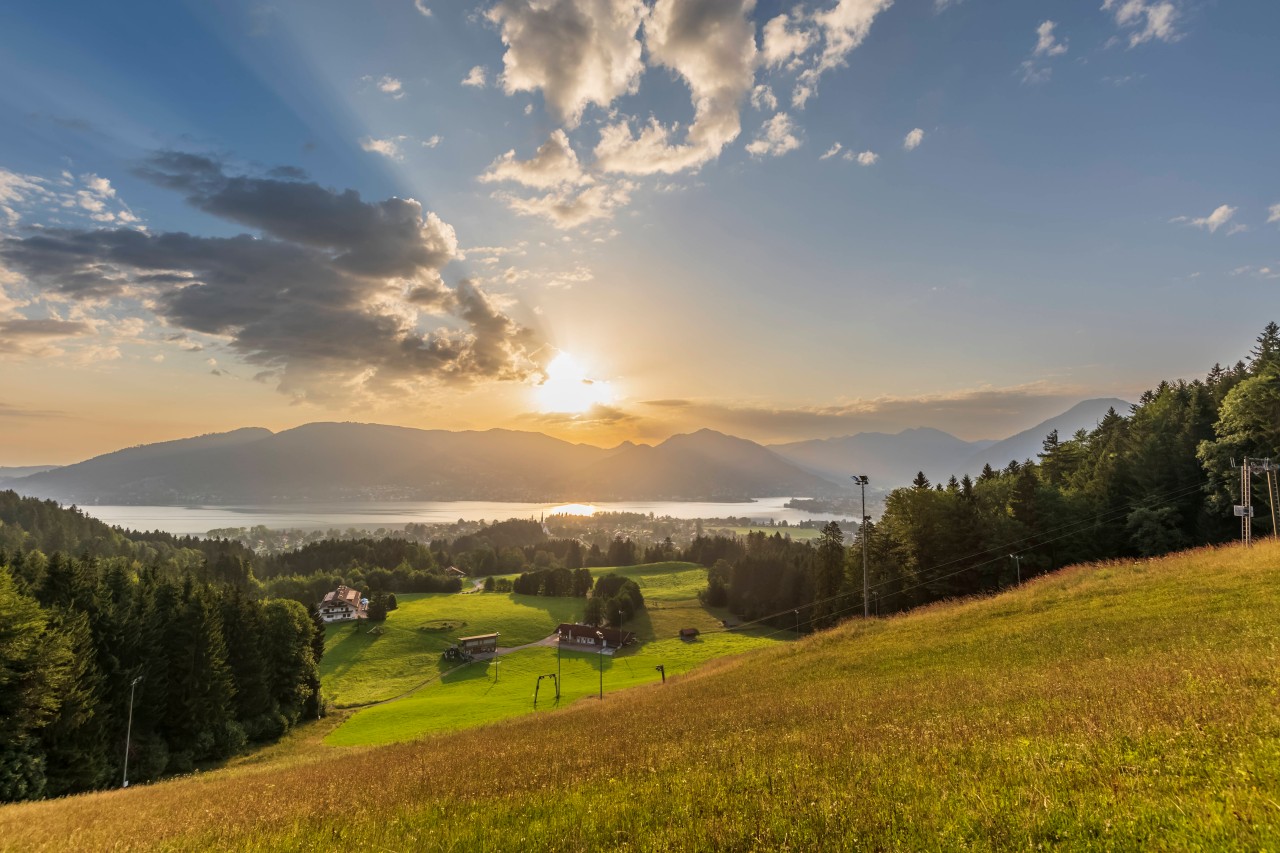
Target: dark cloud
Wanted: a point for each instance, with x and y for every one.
(326, 300)
(22, 328)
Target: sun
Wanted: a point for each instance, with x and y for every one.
(569, 389)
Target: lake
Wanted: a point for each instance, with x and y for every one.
(199, 520)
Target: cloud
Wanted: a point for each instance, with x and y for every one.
(1036, 69)
(1211, 223)
(777, 137)
(389, 147)
(566, 207)
(913, 139)
(762, 98)
(422, 8)
(711, 45)
(1268, 272)
(576, 52)
(555, 163)
(476, 78)
(24, 328)
(432, 141)
(389, 85)
(782, 42)
(975, 413)
(8, 411)
(1146, 21)
(868, 158)
(1046, 43)
(843, 28)
(336, 298)
(832, 151)
(90, 197)
(1273, 214)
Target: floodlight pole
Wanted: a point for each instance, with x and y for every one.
(862, 480)
(602, 645)
(1017, 561)
(128, 733)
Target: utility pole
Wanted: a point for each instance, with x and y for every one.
(662, 669)
(1017, 561)
(128, 733)
(797, 612)
(861, 480)
(1244, 509)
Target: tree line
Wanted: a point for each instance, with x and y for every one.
(206, 668)
(1162, 478)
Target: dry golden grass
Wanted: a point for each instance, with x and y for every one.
(1125, 706)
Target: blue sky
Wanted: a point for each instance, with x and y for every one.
(1085, 213)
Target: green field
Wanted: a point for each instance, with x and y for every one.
(360, 667)
(485, 691)
(1132, 705)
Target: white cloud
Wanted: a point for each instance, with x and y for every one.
(16, 189)
(711, 45)
(1273, 214)
(1211, 223)
(568, 208)
(389, 85)
(389, 147)
(843, 28)
(1145, 20)
(576, 52)
(1238, 228)
(1046, 43)
(1036, 69)
(422, 7)
(554, 164)
(762, 98)
(868, 158)
(913, 139)
(781, 42)
(777, 137)
(432, 141)
(832, 151)
(476, 78)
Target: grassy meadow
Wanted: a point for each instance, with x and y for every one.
(360, 667)
(1121, 706)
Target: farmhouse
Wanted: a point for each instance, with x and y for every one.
(343, 603)
(586, 635)
(455, 572)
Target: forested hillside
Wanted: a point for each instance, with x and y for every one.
(97, 619)
(1150, 481)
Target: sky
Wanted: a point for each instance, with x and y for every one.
(616, 220)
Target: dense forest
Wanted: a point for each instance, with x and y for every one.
(165, 630)
(1162, 478)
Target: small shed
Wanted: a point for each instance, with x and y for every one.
(689, 633)
(480, 644)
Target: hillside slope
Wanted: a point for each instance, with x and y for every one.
(1120, 706)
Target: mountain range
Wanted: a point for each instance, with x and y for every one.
(354, 462)
(892, 460)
